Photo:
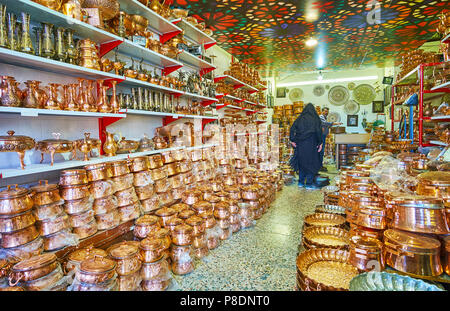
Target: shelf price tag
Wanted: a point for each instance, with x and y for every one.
(29, 113)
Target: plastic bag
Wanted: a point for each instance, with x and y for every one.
(142, 179)
(110, 285)
(23, 252)
(44, 212)
(102, 188)
(388, 175)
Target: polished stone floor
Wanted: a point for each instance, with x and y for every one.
(261, 258)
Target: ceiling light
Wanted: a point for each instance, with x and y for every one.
(365, 78)
(320, 77)
(311, 42)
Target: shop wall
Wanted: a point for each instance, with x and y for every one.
(322, 101)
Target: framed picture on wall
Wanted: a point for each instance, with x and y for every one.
(281, 92)
(378, 106)
(352, 120)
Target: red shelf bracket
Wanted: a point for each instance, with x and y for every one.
(206, 121)
(169, 119)
(103, 123)
(220, 107)
(167, 36)
(218, 79)
(249, 113)
(206, 103)
(206, 70)
(252, 92)
(237, 86)
(221, 96)
(169, 70)
(209, 45)
(109, 84)
(107, 47)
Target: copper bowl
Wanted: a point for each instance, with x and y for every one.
(85, 231)
(81, 219)
(196, 155)
(155, 161)
(173, 222)
(182, 235)
(198, 225)
(99, 171)
(155, 270)
(108, 220)
(324, 219)
(155, 284)
(78, 206)
(44, 194)
(48, 211)
(102, 188)
(119, 168)
(179, 155)
(145, 192)
(249, 192)
(50, 226)
(167, 157)
(172, 169)
(16, 222)
(70, 193)
(73, 177)
(138, 164)
(181, 253)
(150, 250)
(158, 174)
(165, 214)
(199, 241)
(142, 178)
(325, 237)
(166, 198)
(145, 225)
(130, 212)
(185, 166)
(126, 197)
(20, 237)
(366, 253)
(126, 256)
(15, 200)
(96, 270)
(33, 268)
(58, 240)
(123, 182)
(202, 206)
(222, 210)
(104, 205)
(190, 198)
(76, 257)
(150, 205)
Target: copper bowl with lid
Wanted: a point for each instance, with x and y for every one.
(185, 166)
(48, 211)
(209, 219)
(138, 164)
(33, 268)
(158, 174)
(57, 240)
(189, 178)
(96, 270)
(182, 235)
(45, 193)
(179, 155)
(11, 223)
(371, 217)
(108, 220)
(176, 181)
(325, 237)
(190, 197)
(49, 226)
(150, 250)
(119, 168)
(202, 206)
(222, 210)
(366, 253)
(86, 230)
(196, 155)
(102, 188)
(123, 182)
(198, 225)
(164, 235)
(181, 253)
(436, 183)
(158, 269)
(126, 197)
(166, 198)
(103, 205)
(145, 225)
(164, 214)
(98, 171)
(15, 200)
(179, 207)
(150, 205)
(75, 192)
(155, 161)
(250, 192)
(129, 212)
(81, 219)
(412, 253)
(126, 256)
(173, 222)
(145, 192)
(142, 178)
(78, 206)
(167, 157)
(73, 177)
(76, 257)
(186, 213)
(19, 237)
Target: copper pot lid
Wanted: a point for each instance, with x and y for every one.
(75, 172)
(97, 265)
(35, 262)
(53, 141)
(366, 242)
(180, 207)
(221, 194)
(222, 205)
(411, 241)
(86, 253)
(162, 233)
(12, 137)
(206, 215)
(165, 211)
(202, 205)
(174, 222)
(119, 163)
(232, 189)
(419, 201)
(13, 192)
(213, 199)
(44, 186)
(183, 228)
(96, 166)
(194, 221)
(146, 220)
(186, 213)
(408, 156)
(205, 188)
(438, 178)
(151, 244)
(122, 250)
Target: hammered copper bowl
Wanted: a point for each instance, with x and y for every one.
(324, 219)
(102, 188)
(19, 237)
(70, 193)
(104, 205)
(123, 182)
(155, 161)
(15, 200)
(156, 269)
(119, 168)
(126, 256)
(33, 268)
(182, 235)
(325, 237)
(126, 197)
(167, 157)
(151, 204)
(99, 171)
(165, 214)
(48, 211)
(158, 174)
(142, 178)
(145, 225)
(44, 194)
(129, 212)
(50, 226)
(16, 222)
(145, 192)
(73, 177)
(96, 270)
(108, 220)
(150, 250)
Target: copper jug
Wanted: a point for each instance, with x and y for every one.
(31, 100)
(110, 145)
(9, 96)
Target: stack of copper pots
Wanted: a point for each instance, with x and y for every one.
(181, 251)
(251, 195)
(143, 183)
(38, 273)
(129, 206)
(145, 226)
(17, 224)
(235, 217)
(103, 188)
(175, 171)
(155, 271)
(204, 210)
(128, 264)
(96, 274)
(165, 236)
(222, 215)
(77, 195)
(160, 177)
(76, 257)
(199, 240)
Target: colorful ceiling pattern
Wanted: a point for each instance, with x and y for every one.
(271, 34)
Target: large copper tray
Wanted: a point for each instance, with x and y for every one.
(325, 237)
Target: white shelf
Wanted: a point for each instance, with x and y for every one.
(40, 13)
(136, 82)
(194, 34)
(436, 142)
(235, 82)
(165, 114)
(137, 51)
(155, 21)
(31, 112)
(49, 65)
(205, 98)
(405, 78)
(200, 117)
(201, 147)
(438, 118)
(446, 39)
(194, 61)
(442, 86)
(233, 98)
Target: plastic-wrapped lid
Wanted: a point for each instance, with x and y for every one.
(162, 233)
(231, 189)
(35, 262)
(194, 221)
(13, 192)
(186, 213)
(222, 205)
(180, 207)
(146, 220)
(165, 211)
(86, 253)
(97, 265)
(44, 186)
(173, 222)
(122, 250)
(151, 244)
(411, 241)
(419, 201)
(184, 228)
(438, 178)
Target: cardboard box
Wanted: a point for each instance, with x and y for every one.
(351, 138)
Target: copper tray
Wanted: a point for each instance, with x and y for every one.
(325, 237)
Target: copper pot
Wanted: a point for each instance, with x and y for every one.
(70, 193)
(47, 282)
(202, 206)
(73, 177)
(158, 174)
(199, 241)
(176, 181)
(45, 194)
(412, 253)
(198, 225)
(185, 166)
(166, 198)
(155, 270)
(57, 240)
(108, 220)
(123, 182)
(99, 171)
(173, 222)
(126, 197)
(15, 200)
(165, 214)
(235, 227)
(167, 157)
(49, 226)
(371, 217)
(87, 230)
(181, 253)
(150, 205)
(234, 219)
(145, 225)
(179, 155)
(81, 219)
(138, 164)
(33, 268)
(96, 270)
(435, 184)
(155, 284)
(19, 237)
(185, 214)
(196, 155)
(179, 207)
(223, 223)
(188, 178)
(221, 210)
(48, 211)
(150, 250)
(142, 178)
(190, 198)
(225, 234)
(182, 235)
(53, 146)
(78, 206)
(243, 179)
(145, 192)
(209, 219)
(155, 161)
(16, 222)
(249, 192)
(364, 251)
(76, 257)
(103, 205)
(129, 212)
(126, 256)
(102, 188)
(119, 168)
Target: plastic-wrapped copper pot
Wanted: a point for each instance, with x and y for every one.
(179, 207)
(366, 253)
(78, 206)
(190, 198)
(70, 193)
(96, 270)
(181, 253)
(104, 205)
(119, 168)
(58, 240)
(201, 252)
(234, 207)
(138, 164)
(162, 185)
(158, 284)
(164, 235)
(15, 200)
(225, 234)
(198, 225)
(73, 177)
(249, 192)
(99, 171)
(48, 211)
(155, 161)
(196, 155)
(179, 155)
(145, 192)
(199, 241)
(145, 225)
(235, 227)
(188, 178)
(166, 198)
(222, 210)
(167, 157)
(16, 222)
(172, 169)
(108, 220)
(126, 255)
(123, 182)
(412, 253)
(177, 193)
(126, 197)
(353, 174)
(130, 212)
(150, 250)
(52, 225)
(81, 219)
(86, 230)
(233, 192)
(150, 205)
(48, 282)
(234, 219)
(165, 214)
(44, 194)
(33, 268)
(19, 237)
(212, 238)
(172, 223)
(176, 181)
(229, 180)
(446, 243)
(185, 214)
(76, 257)
(208, 217)
(223, 223)
(185, 166)
(142, 178)
(156, 269)
(182, 235)
(130, 282)
(102, 188)
(202, 206)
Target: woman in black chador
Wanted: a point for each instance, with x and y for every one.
(306, 138)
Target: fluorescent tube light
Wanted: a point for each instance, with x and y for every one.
(327, 81)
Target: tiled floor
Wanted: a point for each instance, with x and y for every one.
(259, 258)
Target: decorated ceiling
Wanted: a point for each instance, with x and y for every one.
(271, 34)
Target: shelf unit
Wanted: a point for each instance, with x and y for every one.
(31, 112)
(196, 62)
(194, 34)
(237, 84)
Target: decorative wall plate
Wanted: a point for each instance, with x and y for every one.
(295, 94)
(364, 94)
(338, 95)
(351, 107)
(351, 86)
(318, 90)
(334, 117)
(327, 87)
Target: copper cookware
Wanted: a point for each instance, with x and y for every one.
(435, 184)
(158, 174)
(86, 230)
(15, 200)
(173, 222)
(222, 210)
(165, 214)
(48, 211)
(198, 225)
(58, 240)
(412, 253)
(78, 206)
(123, 182)
(142, 178)
(99, 171)
(179, 155)
(196, 155)
(49, 226)
(33, 268)
(176, 181)
(166, 198)
(126, 197)
(243, 179)
(209, 219)
(185, 166)
(102, 188)
(54, 146)
(70, 193)
(18, 144)
(158, 284)
(81, 219)
(19, 237)
(202, 206)
(371, 217)
(16, 222)
(44, 194)
(249, 192)
(119, 168)
(145, 225)
(145, 192)
(126, 256)
(167, 157)
(182, 235)
(138, 164)
(366, 253)
(190, 198)
(156, 269)
(181, 253)
(179, 207)
(325, 237)
(150, 250)
(324, 219)
(108, 220)
(76, 257)
(104, 205)
(223, 223)
(150, 205)
(186, 213)
(129, 212)
(73, 177)
(155, 161)
(172, 168)
(96, 270)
